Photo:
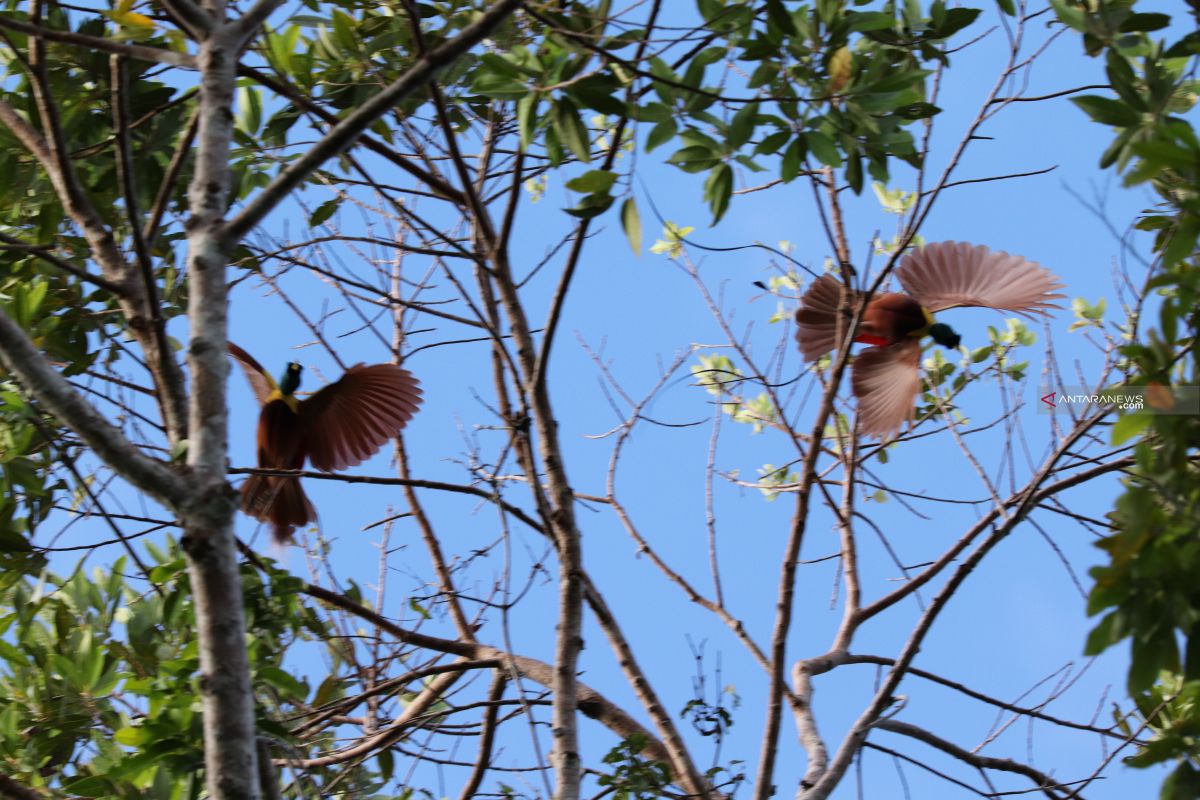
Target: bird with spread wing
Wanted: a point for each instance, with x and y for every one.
(336, 427)
(886, 376)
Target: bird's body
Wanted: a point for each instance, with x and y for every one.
(885, 377)
(891, 318)
(336, 427)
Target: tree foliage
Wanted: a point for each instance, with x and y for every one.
(161, 157)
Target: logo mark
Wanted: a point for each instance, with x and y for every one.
(1049, 400)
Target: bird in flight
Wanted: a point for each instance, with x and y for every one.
(886, 376)
(338, 426)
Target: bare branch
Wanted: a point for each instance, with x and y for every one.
(42, 251)
(342, 135)
(52, 391)
(1042, 780)
(139, 51)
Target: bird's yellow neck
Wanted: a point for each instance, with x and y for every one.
(289, 399)
(924, 331)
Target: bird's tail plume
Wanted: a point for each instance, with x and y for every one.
(279, 501)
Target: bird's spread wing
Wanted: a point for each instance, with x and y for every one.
(349, 420)
(948, 274)
(261, 383)
(817, 318)
(885, 381)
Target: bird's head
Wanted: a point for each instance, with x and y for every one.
(290, 381)
(944, 335)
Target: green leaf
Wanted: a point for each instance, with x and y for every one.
(324, 212)
(631, 221)
(871, 21)
(1123, 80)
(916, 111)
(591, 206)
(956, 20)
(772, 143)
(854, 172)
(718, 189)
(660, 133)
(695, 158)
(1182, 784)
(134, 736)
(283, 46)
(793, 159)
(499, 87)
(1108, 632)
(1118, 149)
(282, 680)
(898, 80)
(741, 127)
(596, 181)
(91, 786)
(777, 15)
(527, 117)
(1128, 426)
(249, 113)
(1107, 111)
(824, 149)
(1145, 22)
(571, 130)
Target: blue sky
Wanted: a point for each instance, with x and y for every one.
(1017, 620)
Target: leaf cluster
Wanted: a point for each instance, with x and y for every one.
(99, 677)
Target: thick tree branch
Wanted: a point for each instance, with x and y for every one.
(246, 26)
(55, 395)
(15, 791)
(191, 17)
(484, 761)
(167, 373)
(230, 744)
(138, 51)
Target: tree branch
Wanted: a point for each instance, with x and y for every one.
(53, 393)
(591, 702)
(230, 744)
(342, 135)
(42, 251)
(1042, 780)
(1023, 502)
(138, 51)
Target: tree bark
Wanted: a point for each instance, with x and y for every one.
(230, 748)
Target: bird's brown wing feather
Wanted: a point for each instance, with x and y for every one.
(817, 319)
(885, 381)
(346, 422)
(944, 275)
(261, 383)
(274, 498)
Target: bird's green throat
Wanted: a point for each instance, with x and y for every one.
(942, 333)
